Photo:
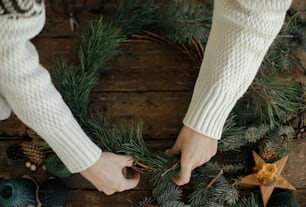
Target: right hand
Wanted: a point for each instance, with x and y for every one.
(195, 148)
(108, 174)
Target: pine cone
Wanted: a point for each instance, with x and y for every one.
(269, 155)
(14, 152)
(33, 152)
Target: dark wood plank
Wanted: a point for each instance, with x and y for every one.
(300, 195)
(97, 199)
(161, 113)
(147, 66)
(50, 49)
(295, 170)
(57, 23)
(12, 127)
(299, 4)
(124, 199)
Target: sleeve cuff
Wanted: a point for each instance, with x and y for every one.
(208, 112)
(74, 147)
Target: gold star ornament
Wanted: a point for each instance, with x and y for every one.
(267, 176)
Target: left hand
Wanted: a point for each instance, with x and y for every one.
(108, 174)
(195, 148)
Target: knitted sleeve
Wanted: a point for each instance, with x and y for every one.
(27, 87)
(241, 33)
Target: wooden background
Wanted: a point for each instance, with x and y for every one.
(153, 85)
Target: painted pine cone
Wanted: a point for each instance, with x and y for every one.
(269, 155)
(33, 152)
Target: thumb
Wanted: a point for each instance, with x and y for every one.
(184, 176)
(130, 183)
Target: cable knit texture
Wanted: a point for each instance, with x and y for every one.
(242, 31)
(27, 88)
(5, 110)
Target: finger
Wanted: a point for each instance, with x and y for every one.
(109, 192)
(184, 175)
(130, 183)
(129, 162)
(173, 150)
(125, 161)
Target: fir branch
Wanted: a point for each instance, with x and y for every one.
(135, 16)
(99, 44)
(273, 100)
(166, 192)
(74, 87)
(231, 168)
(146, 202)
(281, 56)
(234, 137)
(231, 135)
(277, 141)
(129, 141)
(221, 192)
(251, 201)
(182, 22)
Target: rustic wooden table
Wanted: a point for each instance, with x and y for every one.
(153, 85)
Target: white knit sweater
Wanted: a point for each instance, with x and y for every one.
(242, 31)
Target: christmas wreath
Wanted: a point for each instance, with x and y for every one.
(265, 119)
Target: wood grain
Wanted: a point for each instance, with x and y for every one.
(295, 170)
(97, 199)
(149, 82)
(161, 113)
(138, 67)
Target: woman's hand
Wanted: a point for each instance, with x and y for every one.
(195, 148)
(108, 174)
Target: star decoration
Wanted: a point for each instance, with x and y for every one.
(266, 188)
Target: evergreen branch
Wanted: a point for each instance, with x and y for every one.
(230, 135)
(231, 168)
(234, 137)
(218, 194)
(277, 141)
(146, 202)
(135, 16)
(166, 192)
(182, 22)
(129, 141)
(281, 55)
(74, 87)
(251, 201)
(274, 100)
(298, 120)
(98, 45)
